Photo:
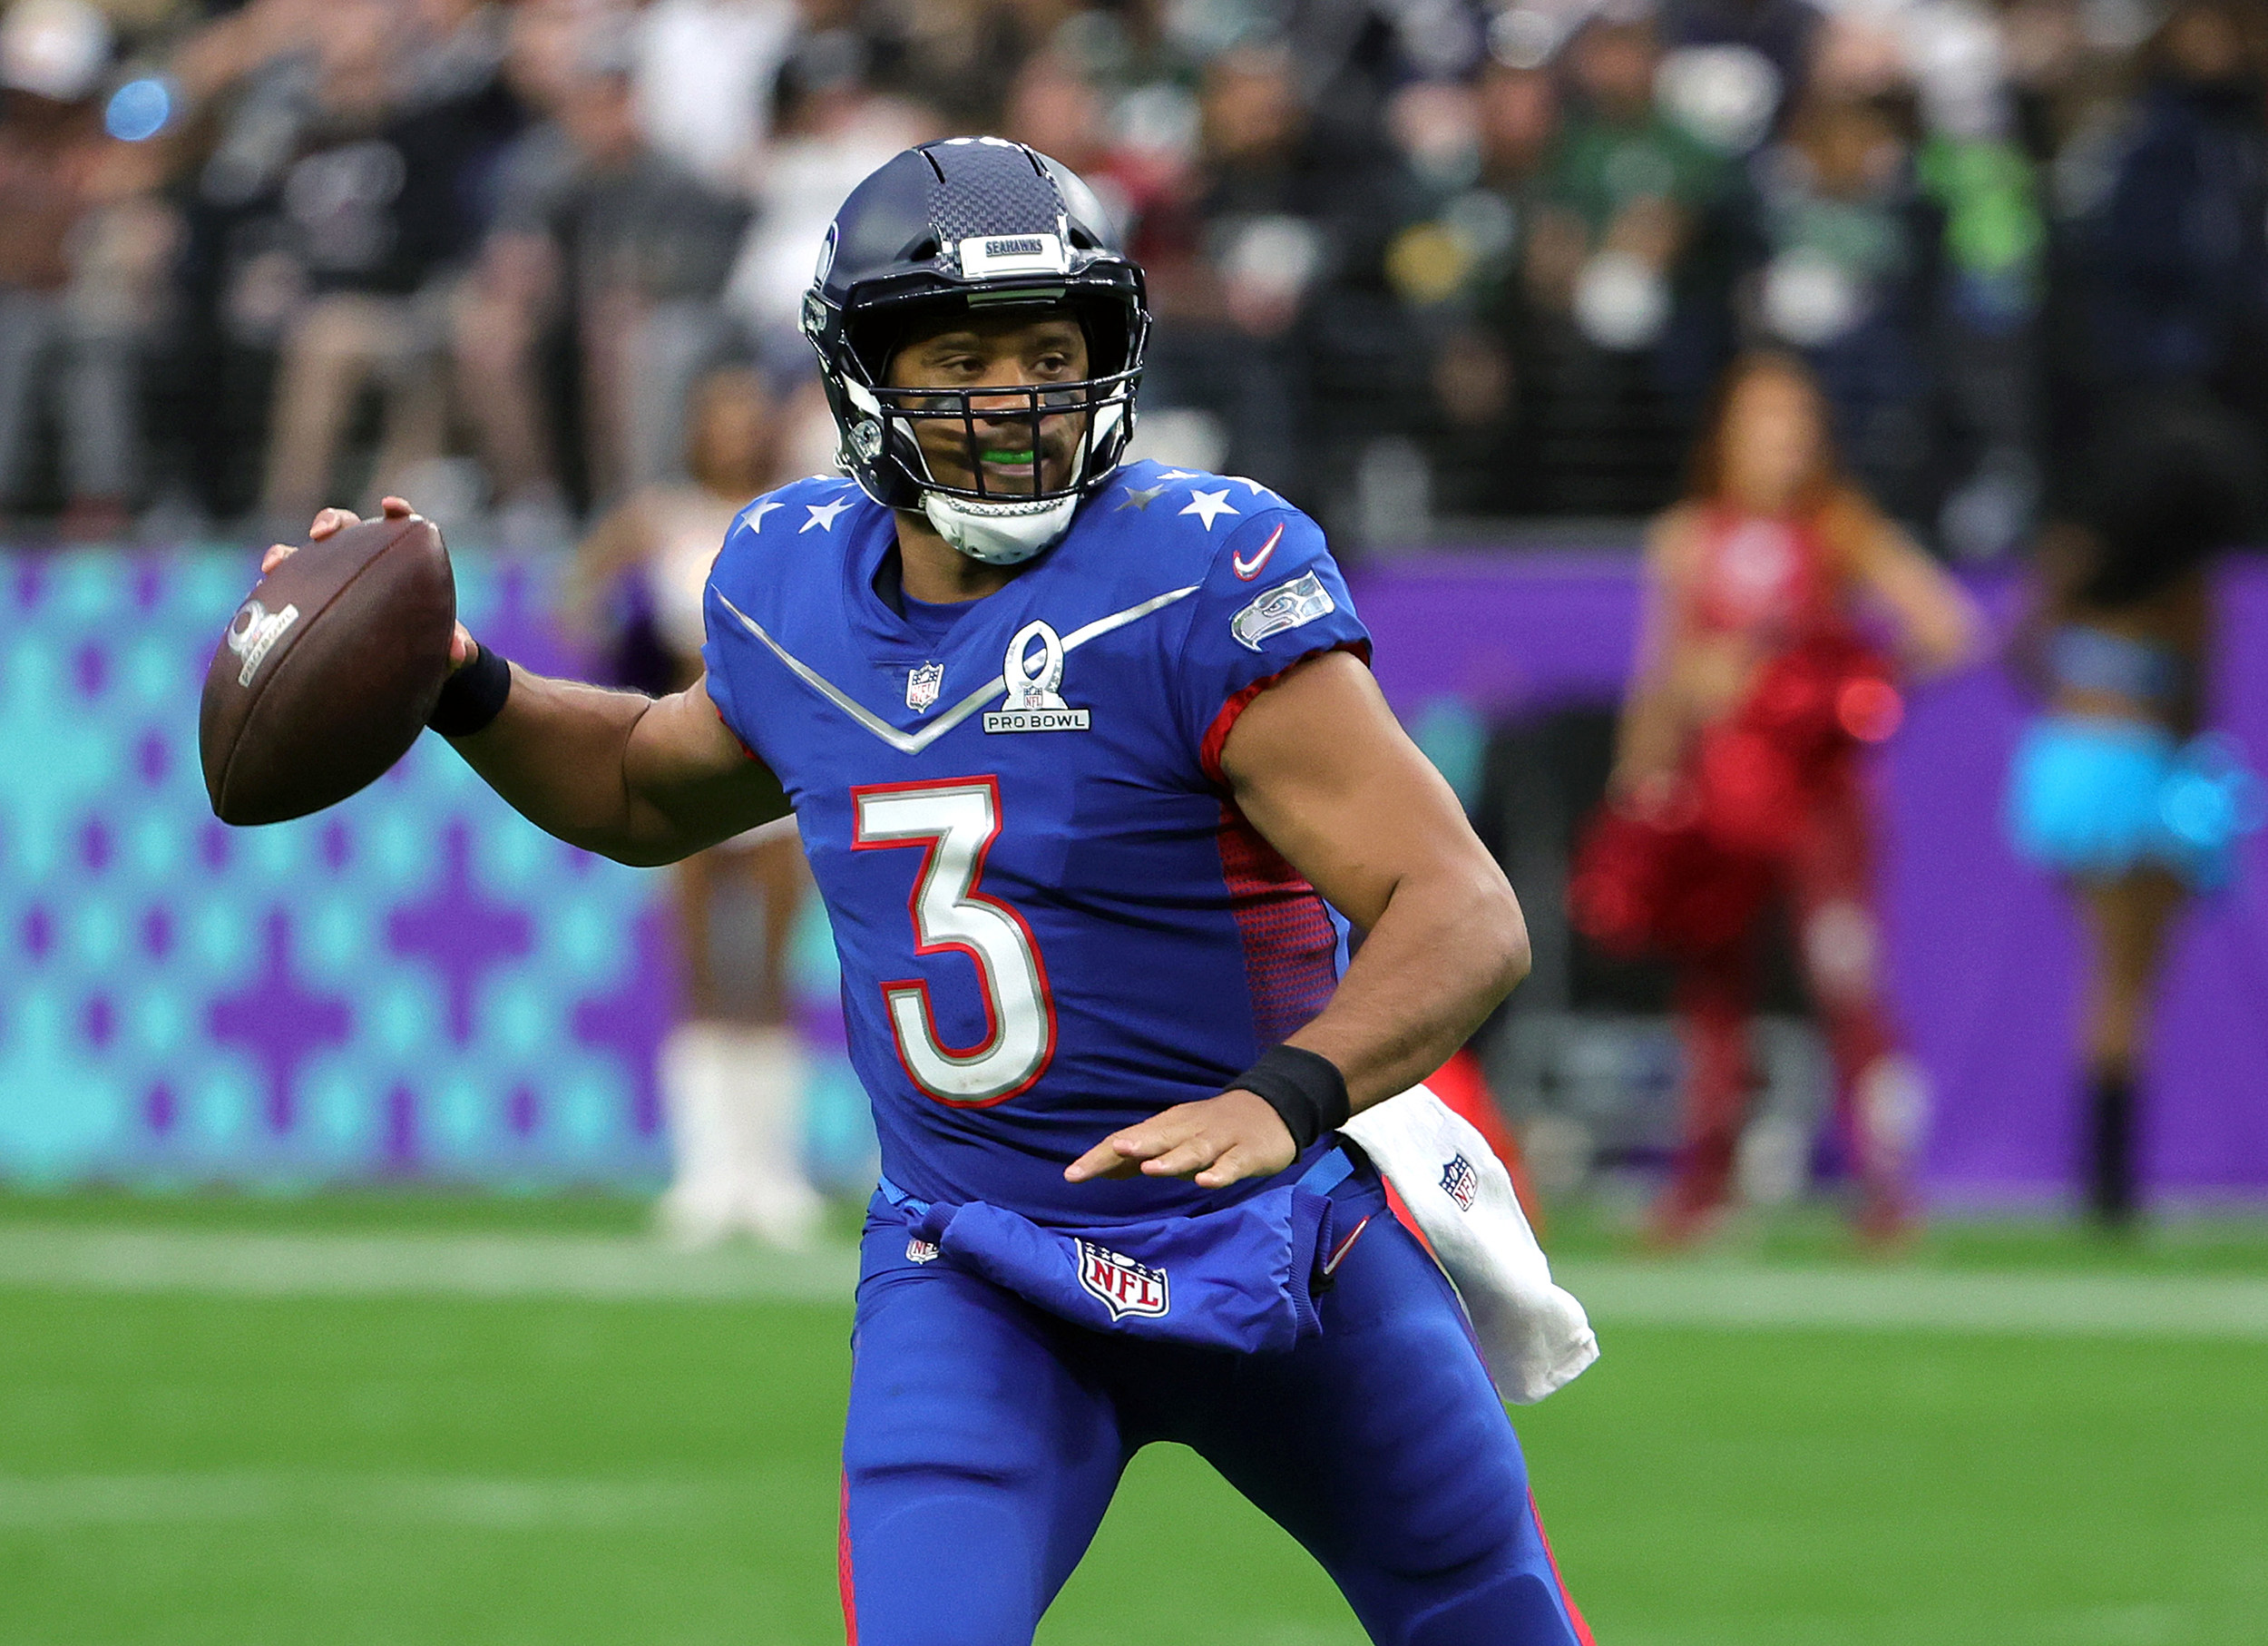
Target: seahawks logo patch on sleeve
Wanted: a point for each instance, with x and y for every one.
(1286, 606)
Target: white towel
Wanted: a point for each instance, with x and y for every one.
(1534, 1337)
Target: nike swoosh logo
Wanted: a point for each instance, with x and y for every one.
(915, 743)
(1249, 569)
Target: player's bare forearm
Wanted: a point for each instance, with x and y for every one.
(1320, 767)
(1326, 774)
(1450, 945)
(643, 781)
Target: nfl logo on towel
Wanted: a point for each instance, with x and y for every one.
(1461, 1182)
(923, 685)
(1125, 1287)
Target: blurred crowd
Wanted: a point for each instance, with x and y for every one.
(1414, 261)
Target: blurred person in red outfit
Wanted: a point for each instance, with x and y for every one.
(1753, 693)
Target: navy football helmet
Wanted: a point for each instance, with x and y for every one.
(974, 222)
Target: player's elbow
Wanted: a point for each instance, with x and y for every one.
(636, 840)
(1515, 958)
(1495, 934)
(651, 842)
(613, 845)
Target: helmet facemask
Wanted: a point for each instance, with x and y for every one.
(1074, 433)
(977, 227)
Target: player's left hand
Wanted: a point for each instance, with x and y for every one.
(1218, 1141)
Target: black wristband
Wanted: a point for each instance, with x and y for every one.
(1304, 1087)
(473, 696)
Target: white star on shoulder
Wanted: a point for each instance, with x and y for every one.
(1206, 504)
(1256, 489)
(823, 515)
(1179, 474)
(755, 512)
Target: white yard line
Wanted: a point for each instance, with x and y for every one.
(621, 1269)
(595, 1267)
(32, 1502)
(1920, 1299)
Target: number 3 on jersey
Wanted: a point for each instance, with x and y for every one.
(955, 821)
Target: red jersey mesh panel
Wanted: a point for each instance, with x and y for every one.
(1291, 948)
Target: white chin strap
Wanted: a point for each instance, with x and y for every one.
(999, 534)
(1008, 533)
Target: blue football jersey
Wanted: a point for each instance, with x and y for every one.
(1052, 921)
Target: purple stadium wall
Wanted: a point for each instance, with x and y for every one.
(130, 926)
(1984, 951)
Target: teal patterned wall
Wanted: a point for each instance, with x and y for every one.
(415, 982)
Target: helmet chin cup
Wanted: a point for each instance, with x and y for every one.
(1000, 534)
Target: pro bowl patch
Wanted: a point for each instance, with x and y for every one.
(1123, 1286)
(1034, 702)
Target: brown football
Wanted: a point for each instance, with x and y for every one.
(327, 673)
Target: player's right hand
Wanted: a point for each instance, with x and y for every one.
(1217, 1141)
(330, 522)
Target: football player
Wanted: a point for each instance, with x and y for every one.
(1094, 778)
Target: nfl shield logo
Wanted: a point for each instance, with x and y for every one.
(1461, 1182)
(1125, 1287)
(918, 1250)
(923, 685)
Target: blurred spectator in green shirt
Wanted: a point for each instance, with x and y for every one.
(1625, 188)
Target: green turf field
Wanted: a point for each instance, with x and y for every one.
(417, 1421)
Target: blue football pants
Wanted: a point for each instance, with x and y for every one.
(985, 1437)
